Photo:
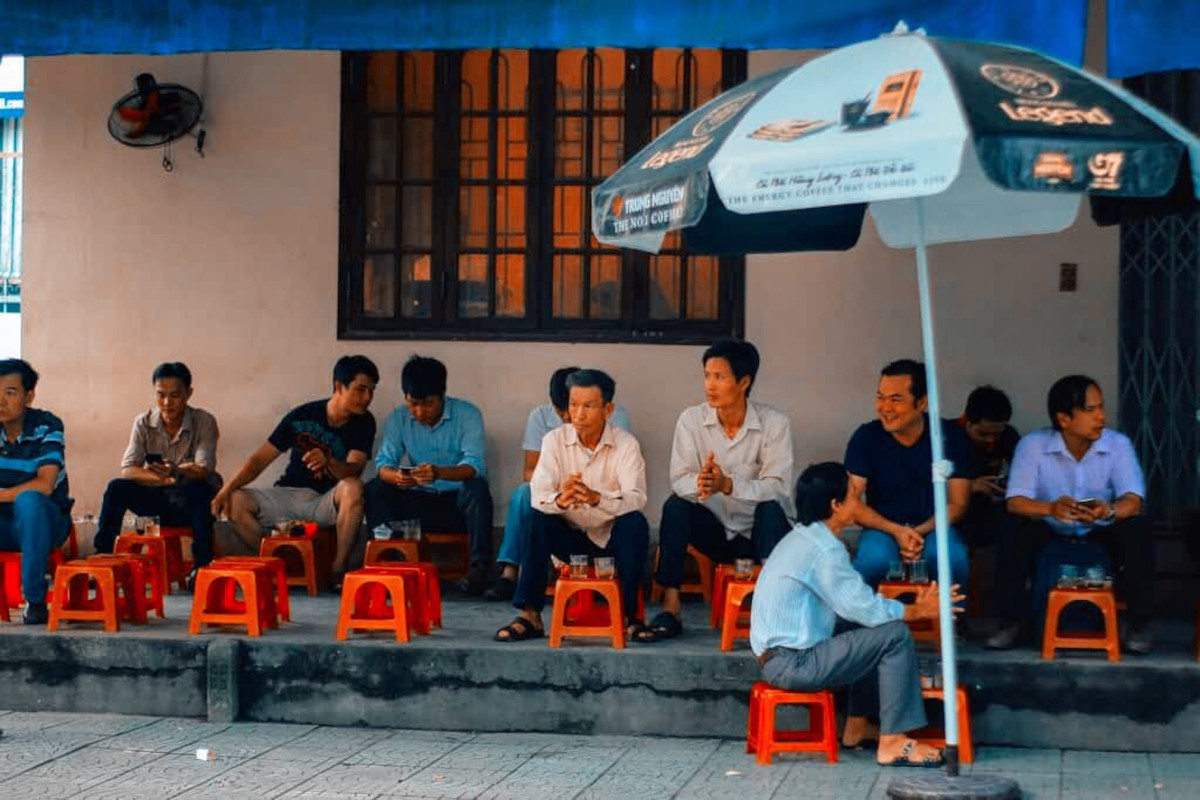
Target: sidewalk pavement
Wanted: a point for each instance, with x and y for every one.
(45, 755)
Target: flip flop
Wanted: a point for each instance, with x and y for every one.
(903, 759)
(664, 626)
(519, 630)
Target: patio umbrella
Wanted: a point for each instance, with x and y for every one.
(944, 140)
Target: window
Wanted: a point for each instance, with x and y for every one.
(465, 196)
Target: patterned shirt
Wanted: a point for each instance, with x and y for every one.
(806, 584)
(40, 444)
(195, 442)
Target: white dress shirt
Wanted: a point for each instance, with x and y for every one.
(758, 459)
(615, 469)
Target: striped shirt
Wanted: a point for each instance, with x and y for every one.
(806, 584)
(195, 442)
(40, 444)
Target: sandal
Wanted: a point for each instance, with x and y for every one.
(664, 626)
(518, 630)
(903, 759)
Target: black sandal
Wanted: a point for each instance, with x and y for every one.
(664, 626)
(905, 760)
(519, 630)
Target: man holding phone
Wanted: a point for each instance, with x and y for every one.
(169, 467)
(993, 442)
(1080, 481)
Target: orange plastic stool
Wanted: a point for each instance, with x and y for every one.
(72, 589)
(609, 589)
(12, 575)
(935, 737)
(765, 740)
(145, 578)
(210, 607)
(735, 622)
(462, 553)
(154, 546)
(427, 585)
(178, 567)
(1053, 638)
(410, 551)
(283, 601)
(278, 546)
(721, 578)
(4, 613)
(361, 608)
(923, 630)
(702, 586)
(416, 592)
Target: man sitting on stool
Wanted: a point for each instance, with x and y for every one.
(805, 586)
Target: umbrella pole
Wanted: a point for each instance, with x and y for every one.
(942, 524)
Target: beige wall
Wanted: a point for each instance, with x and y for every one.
(230, 264)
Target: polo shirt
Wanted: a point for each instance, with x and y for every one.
(41, 443)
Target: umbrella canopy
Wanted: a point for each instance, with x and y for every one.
(1001, 141)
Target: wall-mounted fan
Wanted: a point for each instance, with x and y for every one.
(156, 114)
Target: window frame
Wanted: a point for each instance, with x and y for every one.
(633, 326)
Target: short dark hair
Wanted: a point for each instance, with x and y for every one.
(742, 357)
(18, 366)
(423, 377)
(587, 378)
(817, 488)
(172, 369)
(348, 368)
(915, 370)
(988, 402)
(559, 393)
(1067, 394)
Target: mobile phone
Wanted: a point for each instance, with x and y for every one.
(1088, 502)
(406, 470)
(154, 458)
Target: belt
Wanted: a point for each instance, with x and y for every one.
(766, 656)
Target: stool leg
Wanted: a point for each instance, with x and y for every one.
(106, 583)
(1112, 638)
(766, 731)
(966, 753)
(1050, 629)
(752, 720)
(829, 730)
(310, 572)
(399, 610)
(253, 618)
(558, 616)
(347, 604)
(616, 617)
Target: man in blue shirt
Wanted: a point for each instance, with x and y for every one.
(35, 499)
(892, 459)
(1081, 482)
(519, 522)
(805, 587)
(431, 466)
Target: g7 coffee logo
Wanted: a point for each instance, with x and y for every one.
(1021, 81)
(1106, 171)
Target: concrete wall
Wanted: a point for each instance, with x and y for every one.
(230, 264)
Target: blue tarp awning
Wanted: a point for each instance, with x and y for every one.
(1152, 36)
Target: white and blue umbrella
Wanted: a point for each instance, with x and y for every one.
(945, 141)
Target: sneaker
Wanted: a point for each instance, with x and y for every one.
(1136, 639)
(1006, 638)
(35, 614)
(501, 589)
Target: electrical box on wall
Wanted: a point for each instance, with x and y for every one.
(1068, 276)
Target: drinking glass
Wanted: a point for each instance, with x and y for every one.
(743, 569)
(895, 572)
(1095, 577)
(918, 572)
(605, 567)
(148, 526)
(412, 530)
(579, 566)
(382, 532)
(1068, 576)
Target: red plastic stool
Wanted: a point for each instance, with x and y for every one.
(735, 622)
(721, 578)
(764, 739)
(279, 546)
(72, 593)
(1108, 640)
(416, 592)
(154, 546)
(923, 630)
(4, 613)
(427, 585)
(363, 608)
(145, 578)
(609, 589)
(701, 586)
(210, 606)
(460, 544)
(411, 552)
(935, 737)
(178, 568)
(283, 600)
(12, 575)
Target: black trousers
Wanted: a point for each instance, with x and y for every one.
(189, 504)
(1129, 547)
(684, 522)
(469, 509)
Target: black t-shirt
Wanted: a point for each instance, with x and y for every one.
(306, 427)
(899, 478)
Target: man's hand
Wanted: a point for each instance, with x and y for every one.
(317, 461)
(424, 474)
(988, 485)
(574, 493)
(926, 604)
(162, 469)
(711, 480)
(404, 478)
(911, 543)
(1065, 509)
(1093, 513)
(221, 506)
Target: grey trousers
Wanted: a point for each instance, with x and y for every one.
(879, 665)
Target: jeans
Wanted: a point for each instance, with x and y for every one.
(877, 550)
(684, 522)
(550, 534)
(516, 526)
(33, 525)
(189, 504)
(469, 509)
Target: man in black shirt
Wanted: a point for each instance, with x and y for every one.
(993, 442)
(330, 442)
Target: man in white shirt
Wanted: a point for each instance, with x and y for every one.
(588, 492)
(731, 471)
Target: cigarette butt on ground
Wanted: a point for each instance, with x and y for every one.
(204, 754)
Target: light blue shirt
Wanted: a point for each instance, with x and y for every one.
(545, 418)
(806, 584)
(455, 440)
(1044, 470)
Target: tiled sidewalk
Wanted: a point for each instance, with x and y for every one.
(49, 755)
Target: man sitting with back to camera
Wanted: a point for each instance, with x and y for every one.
(815, 624)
